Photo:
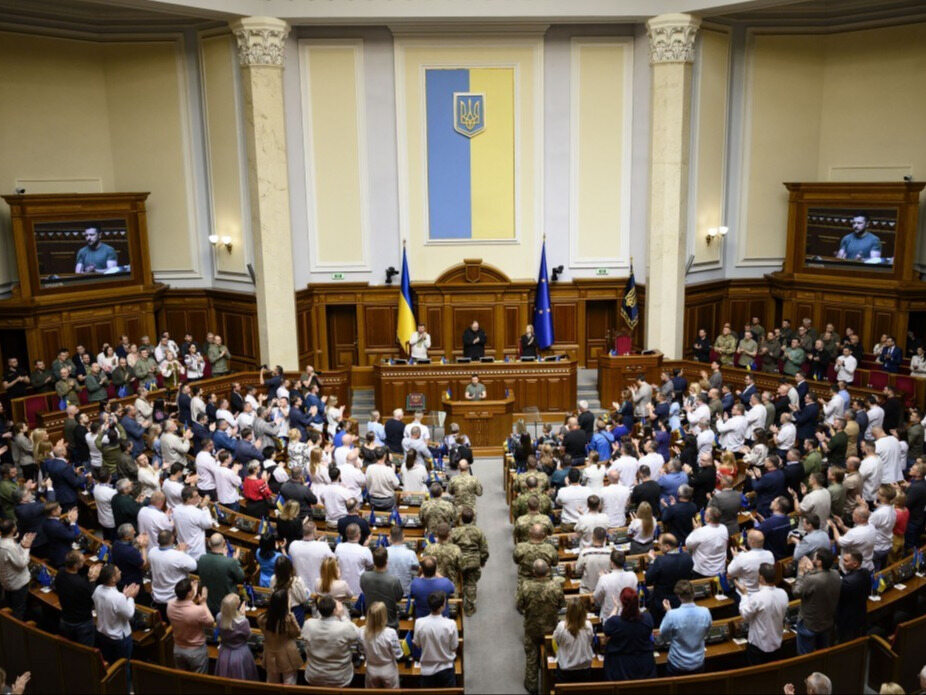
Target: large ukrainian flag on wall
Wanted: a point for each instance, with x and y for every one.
(470, 131)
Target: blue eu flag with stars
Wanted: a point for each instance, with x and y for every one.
(543, 317)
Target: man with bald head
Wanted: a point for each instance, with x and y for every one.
(218, 572)
(535, 548)
(540, 598)
(745, 564)
(614, 497)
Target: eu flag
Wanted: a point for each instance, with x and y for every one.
(629, 309)
(543, 319)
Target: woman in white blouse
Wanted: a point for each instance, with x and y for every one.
(334, 415)
(414, 475)
(382, 649)
(107, 359)
(642, 529)
(573, 637)
(195, 363)
(148, 477)
(297, 451)
(918, 363)
(318, 467)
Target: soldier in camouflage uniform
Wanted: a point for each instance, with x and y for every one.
(436, 510)
(725, 346)
(448, 555)
(539, 600)
(465, 488)
(519, 506)
(533, 516)
(536, 548)
(533, 469)
(475, 548)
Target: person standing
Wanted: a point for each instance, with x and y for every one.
(437, 637)
(474, 341)
(219, 573)
(818, 586)
(539, 600)
(189, 616)
(329, 641)
(75, 594)
(419, 343)
(14, 567)
(764, 610)
(574, 637)
(475, 391)
(685, 628)
(114, 611)
(474, 549)
(629, 654)
(529, 346)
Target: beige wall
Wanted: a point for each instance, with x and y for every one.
(55, 124)
(843, 107)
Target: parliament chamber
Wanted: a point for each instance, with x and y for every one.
(462, 347)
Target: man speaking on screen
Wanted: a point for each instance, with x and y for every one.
(859, 244)
(95, 257)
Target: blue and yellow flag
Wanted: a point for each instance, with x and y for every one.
(543, 318)
(629, 309)
(470, 114)
(405, 322)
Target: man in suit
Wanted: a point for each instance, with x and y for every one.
(237, 398)
(805, 419)
(474, 342)
(801, 386)
(586, 420)
(891, 356)
(64, 478)
(664, 571)
(851, 611)
(748, 390)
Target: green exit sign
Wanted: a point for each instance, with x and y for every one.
(601, 271)
(337, 276)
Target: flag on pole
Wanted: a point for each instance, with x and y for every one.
(543, 318)
(405, 322)
(629, 309)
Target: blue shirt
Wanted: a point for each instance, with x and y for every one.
(422, 587)
(378, 431)
(685, 628)
(669, 484)
(602, 445)
(266, 567)
(859, 247)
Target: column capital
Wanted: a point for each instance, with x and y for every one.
(672, 38)
(260, 40)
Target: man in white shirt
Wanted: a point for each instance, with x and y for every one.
(415, 441)
(732, 431)
(627, 466)
(114, 611)
(834, 408)
(308, 554)
(871, 471)
(882, 520)
(786, 434)
(420, 343)
(352, 476)
(875, 417)
(168, 565)
(708, 545)
(700, 414)
(572, 498)
(653, 459)
(227, 481)
(755, 416)
(381, 481)
(593, 561)
(192, 520)
(590, 520)
(818, 500)
(334, 498)
(205, 469)
(245, 417)
(745, 564)
(438, 639)
(353, 559)
(152, 519)
(103, 494)
(609, 587)
(614, 497)
(860, 538)
(765, 611)
(341, 452)
(422, 428)
(165, 344)
(846, 365)
(888, 450)
(705, 440)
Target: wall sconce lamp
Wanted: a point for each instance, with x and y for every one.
(225, 240)
(557, 271)
(715, 233)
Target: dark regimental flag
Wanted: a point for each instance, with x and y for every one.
(543, 317)
(629, 309)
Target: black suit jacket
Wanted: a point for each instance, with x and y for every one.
(236, 402)
(664, 571)
(528, 345)
(474, 350)
(851, 611)
(587, 423)
(801, 389)
(746, 394)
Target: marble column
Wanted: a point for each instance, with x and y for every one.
(260, 52)
(671, 41)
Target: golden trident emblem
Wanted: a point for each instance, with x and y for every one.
(469, 113)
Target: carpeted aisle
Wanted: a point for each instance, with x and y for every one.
(493, 656)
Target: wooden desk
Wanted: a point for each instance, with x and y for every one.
(617, 373)
(487, 423)
(548, 386)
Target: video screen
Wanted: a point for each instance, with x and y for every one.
(851, 237)
(82, 252)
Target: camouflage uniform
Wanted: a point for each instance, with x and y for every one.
(475, 549)
(725, 345)
(519, 506)
(526, 553)
(520, 482)
(449, 559)
(523, 525)
(769, 359)
(465, 489)
(434, 512)
(540, 601)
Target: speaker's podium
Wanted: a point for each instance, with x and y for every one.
(487, 423)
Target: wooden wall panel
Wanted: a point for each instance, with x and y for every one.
(462, 318)
(882, 322)
(564, 323)
(380, 326)
(512, 328)
(434, 324)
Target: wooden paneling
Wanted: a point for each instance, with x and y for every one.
(512, 328)
(380, 326)
(342, 335)
(882, 322)
(434, 325)
(711, 304)
(564, 323)
(463, 317)
(600, 323)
